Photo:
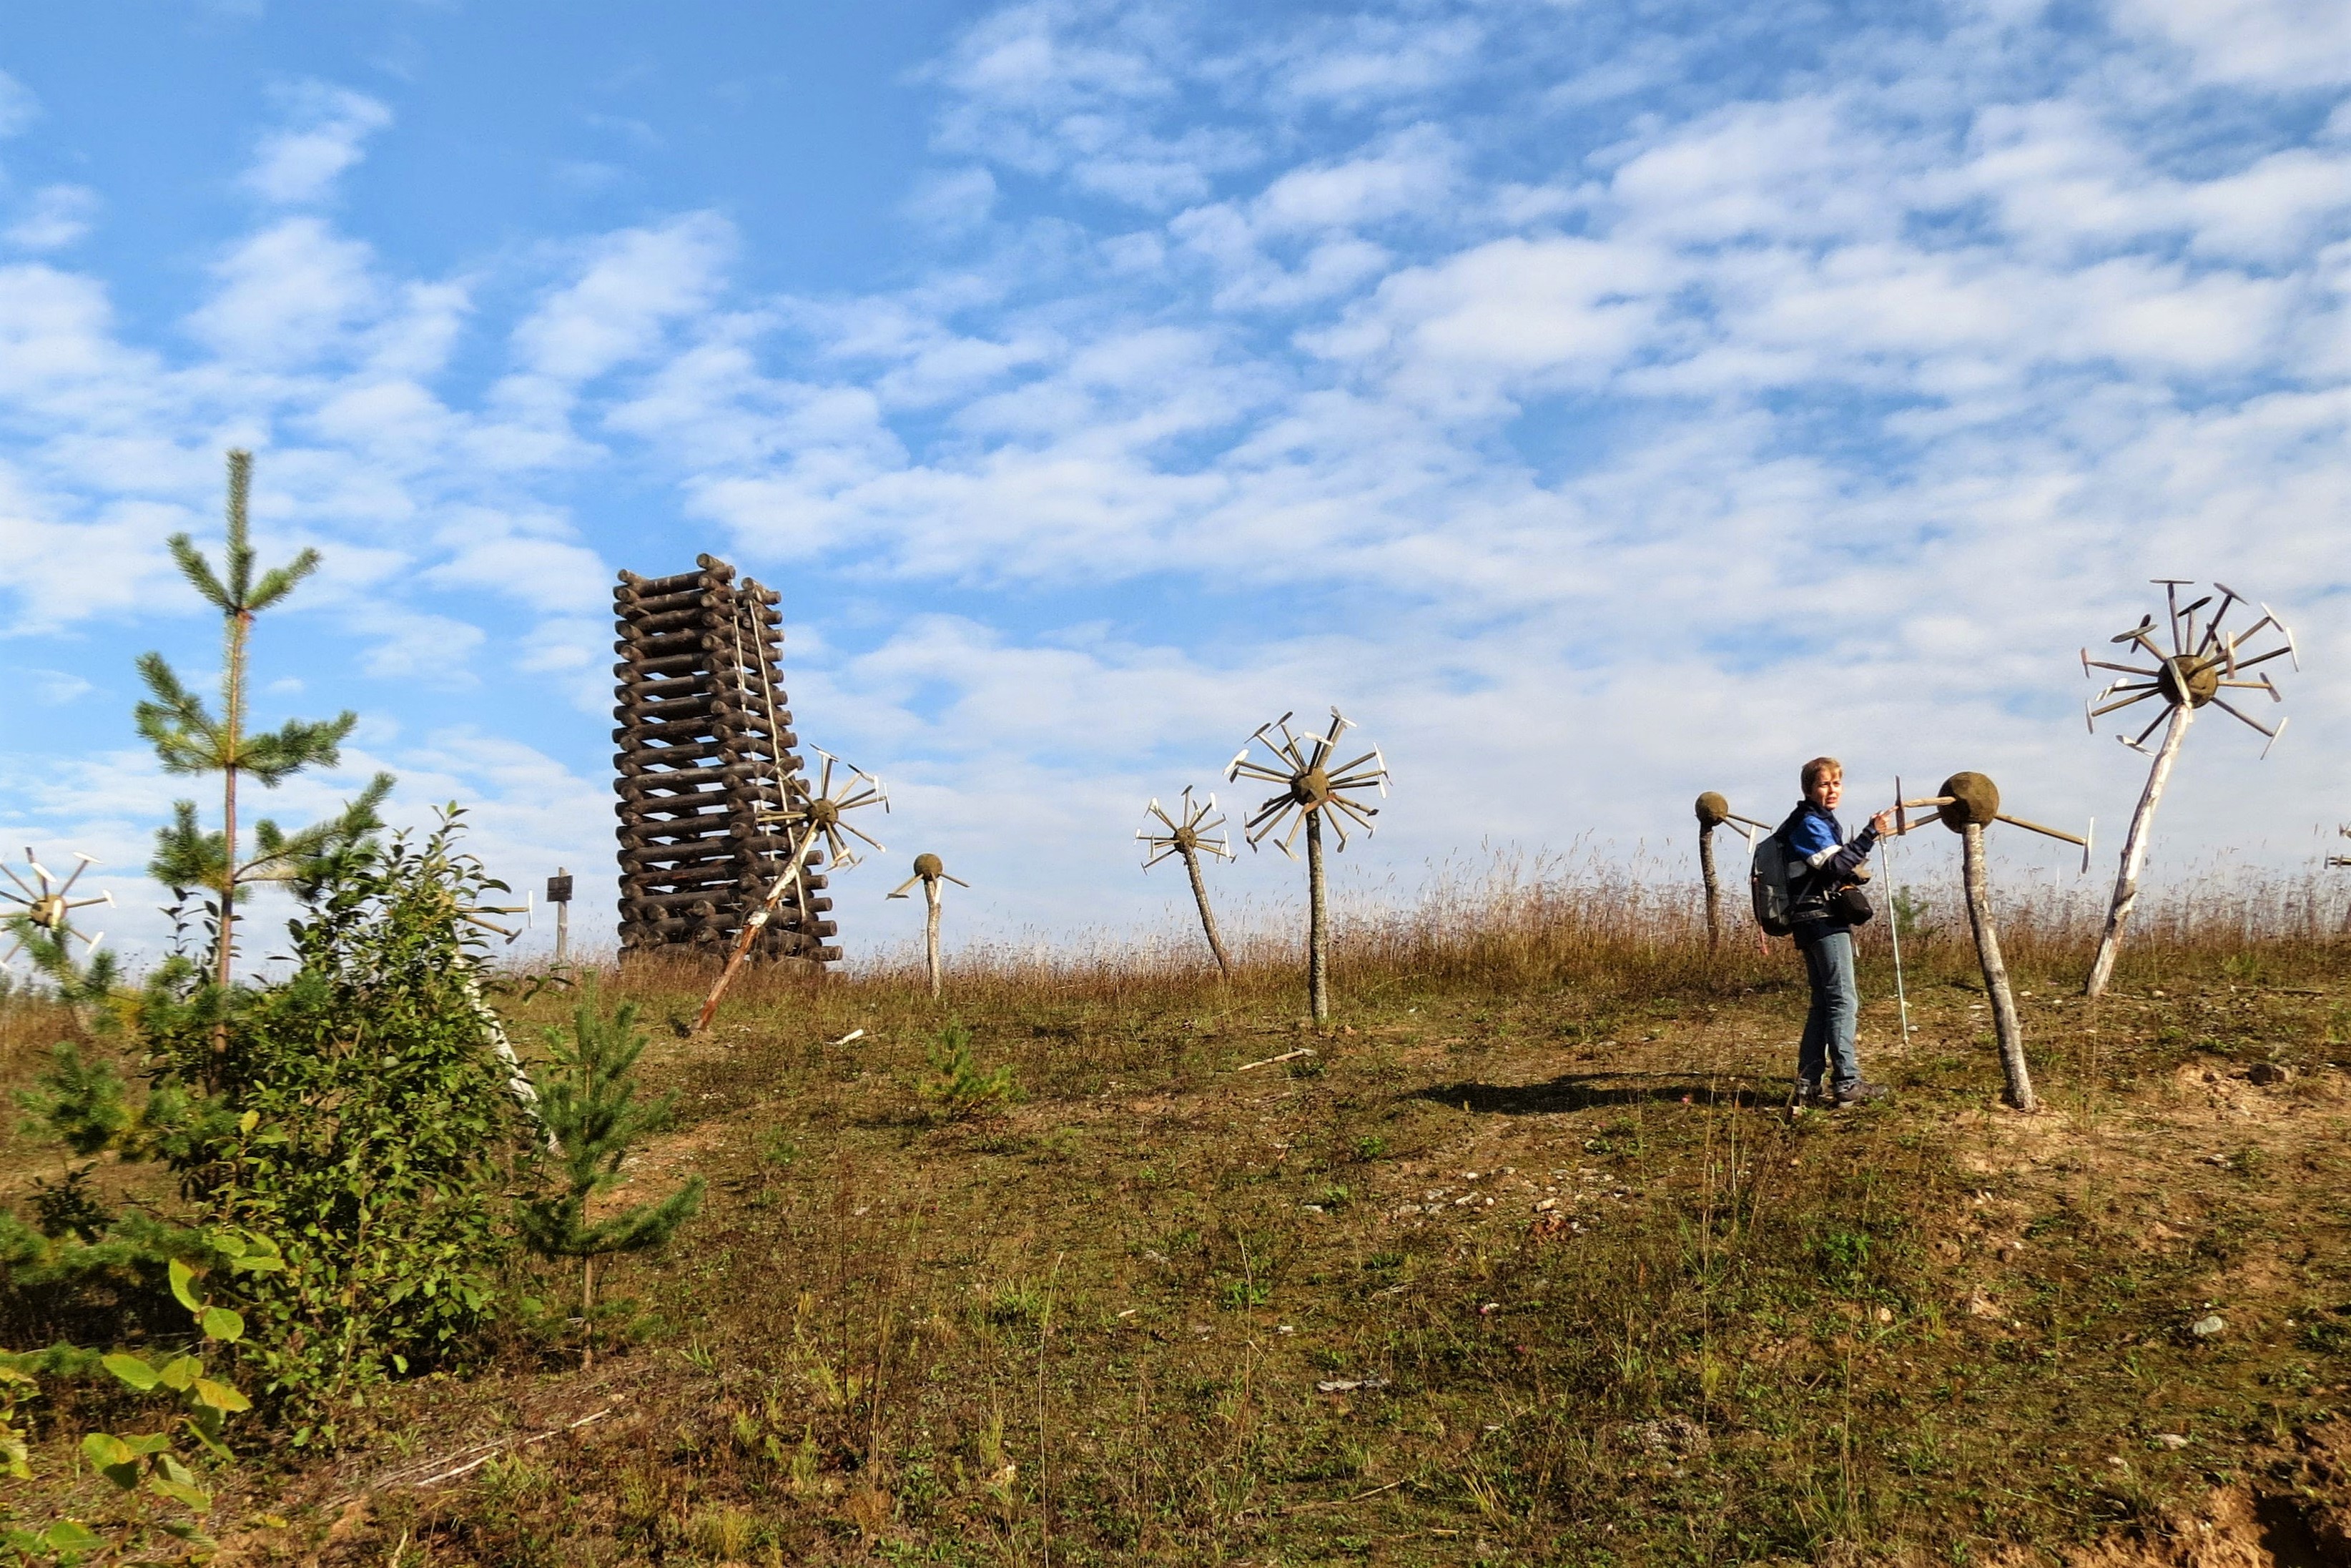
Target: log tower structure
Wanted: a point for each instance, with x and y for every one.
(706, 764)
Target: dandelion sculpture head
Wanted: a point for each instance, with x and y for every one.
(2200, 663)
(822, 812)
(1187, 833)
(1310, 786)
(930, 870)
(48, 904)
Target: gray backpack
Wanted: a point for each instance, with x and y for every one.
(1770, 882)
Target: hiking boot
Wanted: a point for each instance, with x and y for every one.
(1808, 1092)
(1859, 1093)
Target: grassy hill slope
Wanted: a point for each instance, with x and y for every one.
(1528, 1262)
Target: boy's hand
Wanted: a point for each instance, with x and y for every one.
(1883, 823)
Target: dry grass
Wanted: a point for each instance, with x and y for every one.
(1666, 1321)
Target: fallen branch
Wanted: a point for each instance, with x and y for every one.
(482, 1454)
(1343, 1501)
(1285, 1055)
(512, 1443)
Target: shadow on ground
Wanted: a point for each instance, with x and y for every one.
(1592, 1090)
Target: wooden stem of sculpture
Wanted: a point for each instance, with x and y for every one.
(2017, 1080)
(1208, 915)
(933, 892)
(795, 870)
(1317, 923)
(1713, 889)
(2102, 968)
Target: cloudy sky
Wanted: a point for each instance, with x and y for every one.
(1600, 401)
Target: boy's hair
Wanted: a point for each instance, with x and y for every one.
(1820, 768)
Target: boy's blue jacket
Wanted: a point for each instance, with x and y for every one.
(1816, 841)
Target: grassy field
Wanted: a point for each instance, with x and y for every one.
(1528, 1260)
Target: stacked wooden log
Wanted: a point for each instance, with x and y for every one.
(705, 763)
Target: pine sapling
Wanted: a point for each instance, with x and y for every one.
(959, 1088)
(589, 1106)
(189, 737)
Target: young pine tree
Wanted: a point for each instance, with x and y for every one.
(588, 1107)
(191, 738)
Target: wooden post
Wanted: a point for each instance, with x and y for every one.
(2017, 1079)
(1207, 916)
(933, 894)
(1713, 887)
(1318, 923)
(2102, 968)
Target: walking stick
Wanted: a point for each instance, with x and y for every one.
(1894, 914)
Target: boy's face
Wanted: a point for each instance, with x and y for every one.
(1827, 791)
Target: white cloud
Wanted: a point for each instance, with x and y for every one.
(327, 128)
(287, 295)
(1368, 59)
(18, 107)
(634, 284)
(405, 644)
(531, 560)
(953, 201)
(51, 688)
(2264, 43)
(1556, 310)
(55, 217)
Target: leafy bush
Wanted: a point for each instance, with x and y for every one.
(144, 1468)
(959, 1090)
(356, 1115)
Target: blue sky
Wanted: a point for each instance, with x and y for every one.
(1600, 402)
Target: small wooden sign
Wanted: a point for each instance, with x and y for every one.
(558, 890)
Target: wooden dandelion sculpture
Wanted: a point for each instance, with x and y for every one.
(813, 823)
(1968, 804)
(1713, 811)
(2202, 662)
(1187, 836)
(46, 905)
(1313, 790)
(930, 870)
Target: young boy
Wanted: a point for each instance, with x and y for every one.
(1827, 1068)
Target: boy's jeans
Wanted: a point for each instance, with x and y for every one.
(1827, 1057)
